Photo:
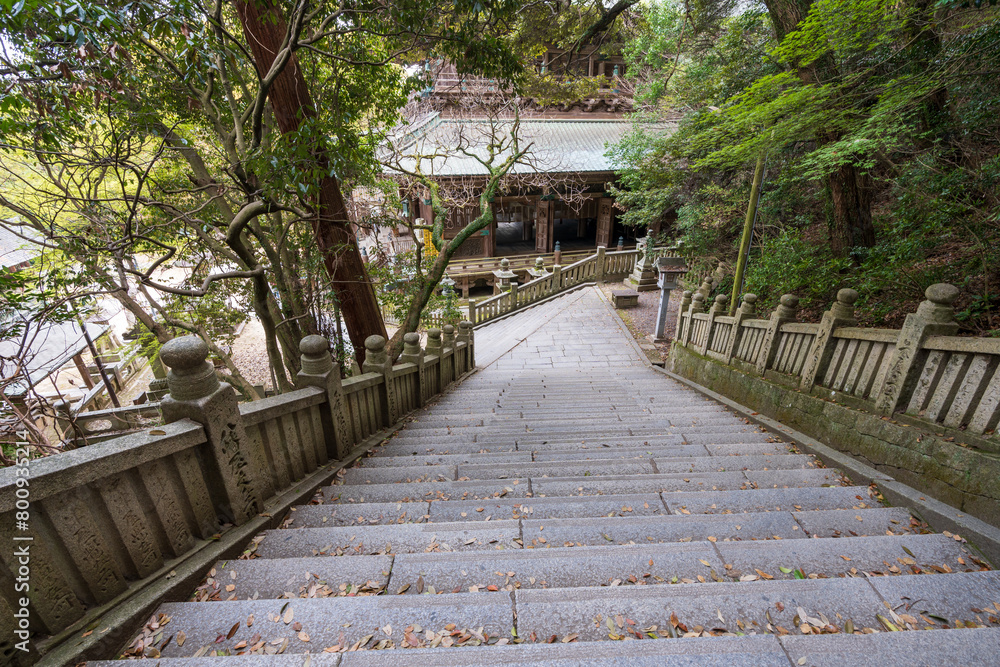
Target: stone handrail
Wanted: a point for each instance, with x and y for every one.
(107, 523)
(596, 268)
(922, 370)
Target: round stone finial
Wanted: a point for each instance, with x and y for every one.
(504, 263)
(448, 329)
(184, 353)
(412, 338)
(789, 300)
(411, 344)
(191, 376)
(539, 263)
(686, 294)
(374, 343)
(942, 294)
(464, 325)
(698, 296)
(314, 345)
(750, 298)
(722, 299)
(847, 296)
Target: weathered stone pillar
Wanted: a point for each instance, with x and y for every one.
(472, 310)
(788, 305)
(241, 477)
(745, 312)
(448, 371)
(556, 278)
(720, 307)
(412, 354)
(697, 306)
(599, 275)
(433, 348)
(683, 308)
(513, 296)
(934, 317)
(841, 314)
(319, 370)
(377, 361)
(707, 285)
(464, 339)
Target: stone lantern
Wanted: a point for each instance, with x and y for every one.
(538, 271)
(670, 270)
(643, 278)
(504, 277)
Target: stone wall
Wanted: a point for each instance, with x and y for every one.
(916, 403)
(116, 526)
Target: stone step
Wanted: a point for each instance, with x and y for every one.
(425, 491)
(398, 474)
(590, 453)
(750, 651)
(715, 481)
(784, 461)
(545, 533)
(396, 538)
(849, 555)
(976, 646)
(769, 500)
(598, 467)
(358, 514)
(391, 448)
(585, 611)
(446, 459)
(543, 508)
(301, 577)
(565, 568)
(315, 624)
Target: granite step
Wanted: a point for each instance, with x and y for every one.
(425, 491)
(272, 578)
(318, 623)
(879, 521)
(714, 481)
(544, 508)
(585, 611)
(975, 646)
(446, 459)
(769, 500)
(395, 538)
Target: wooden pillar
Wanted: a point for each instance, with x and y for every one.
(544, 229)
(84, 373)
(605, 218)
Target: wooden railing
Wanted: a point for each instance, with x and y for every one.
(596, 268)
(109, 521)
(921, 370)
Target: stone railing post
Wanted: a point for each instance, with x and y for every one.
(556, 278)
(785, 312)
(720, 307)
(697, 306)
(433, 347)
(377, 361)
(706, 287)
(934, 317)
(412, 354)
(512, 296)
(448, 371)
(745, 312)
(241, 481)
(841, 314)
(472, 310)
(599, 269)
(465, 336)
(683, 308)
(319, 370)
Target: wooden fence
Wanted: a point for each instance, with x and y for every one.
(922, 370)
(107, 520)
(596, 268)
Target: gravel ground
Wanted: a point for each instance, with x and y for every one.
(641, 320)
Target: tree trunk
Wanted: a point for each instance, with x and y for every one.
(264, 27)
(852, 216)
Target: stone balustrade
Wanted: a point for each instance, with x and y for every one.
(111, 522)
(921, 375)
(600, 267)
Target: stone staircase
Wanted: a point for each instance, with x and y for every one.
(569, 514)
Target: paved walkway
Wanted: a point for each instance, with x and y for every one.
(567, 501)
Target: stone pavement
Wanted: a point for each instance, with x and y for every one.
(566, 502)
